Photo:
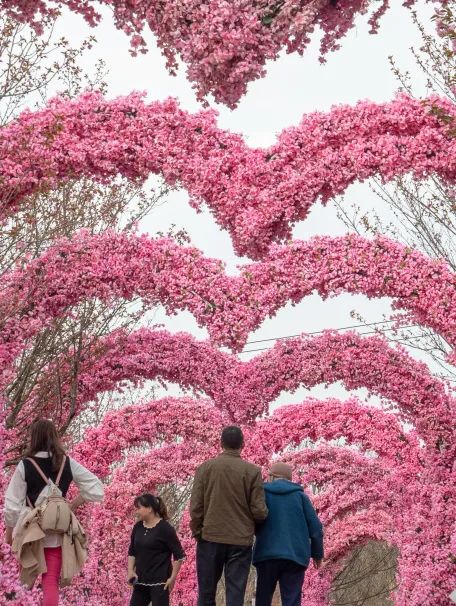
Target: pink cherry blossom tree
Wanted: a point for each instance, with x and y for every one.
(381, 472)
(225, 45)
(255, 194)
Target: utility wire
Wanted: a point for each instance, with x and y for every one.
(319, 332)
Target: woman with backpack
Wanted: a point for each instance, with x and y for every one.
(153, 542)
(46, 460)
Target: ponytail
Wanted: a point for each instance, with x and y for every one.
(162, 510)
(156, 503)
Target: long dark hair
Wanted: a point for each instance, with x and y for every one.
(156, 503)
(44, 436)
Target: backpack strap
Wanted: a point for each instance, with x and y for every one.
(39, 470)
(57, 480)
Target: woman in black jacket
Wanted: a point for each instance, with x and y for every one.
(153, 542)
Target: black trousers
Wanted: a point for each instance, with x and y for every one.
(288, 574)
(211, 560)
(143, 596)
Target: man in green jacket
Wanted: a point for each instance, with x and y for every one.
(227, 500)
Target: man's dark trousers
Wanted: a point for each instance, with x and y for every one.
(211, 559)
(289, 575)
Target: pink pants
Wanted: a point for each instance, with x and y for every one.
(50, 579)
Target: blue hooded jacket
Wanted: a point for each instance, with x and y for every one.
(292, 530)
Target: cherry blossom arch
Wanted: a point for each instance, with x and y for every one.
(59, 302)
(166, 419)
(348, 483)
(405, 477)
(352, 516)
(255, 194)
(151, 423)
(317, 586)
(350, 419)
(417, 508)
(366, 427)
(180, 278)
(134, 426)
(244, 390)
(224, 45)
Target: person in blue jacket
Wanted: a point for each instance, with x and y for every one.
(291, 535)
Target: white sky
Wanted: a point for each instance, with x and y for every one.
(293, 86)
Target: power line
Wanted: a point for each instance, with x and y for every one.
(319, 332)
(370, 332)
(361, 334)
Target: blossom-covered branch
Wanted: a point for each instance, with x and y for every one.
(225, 45)
(255, 194)
(180, 278)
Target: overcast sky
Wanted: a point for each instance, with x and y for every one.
(293, 86)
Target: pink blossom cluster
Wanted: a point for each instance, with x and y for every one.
(380, 472)
(256, 194)
(113, 265)
(245, 390)
(12, 592)
(446, 25)
(224, 44)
